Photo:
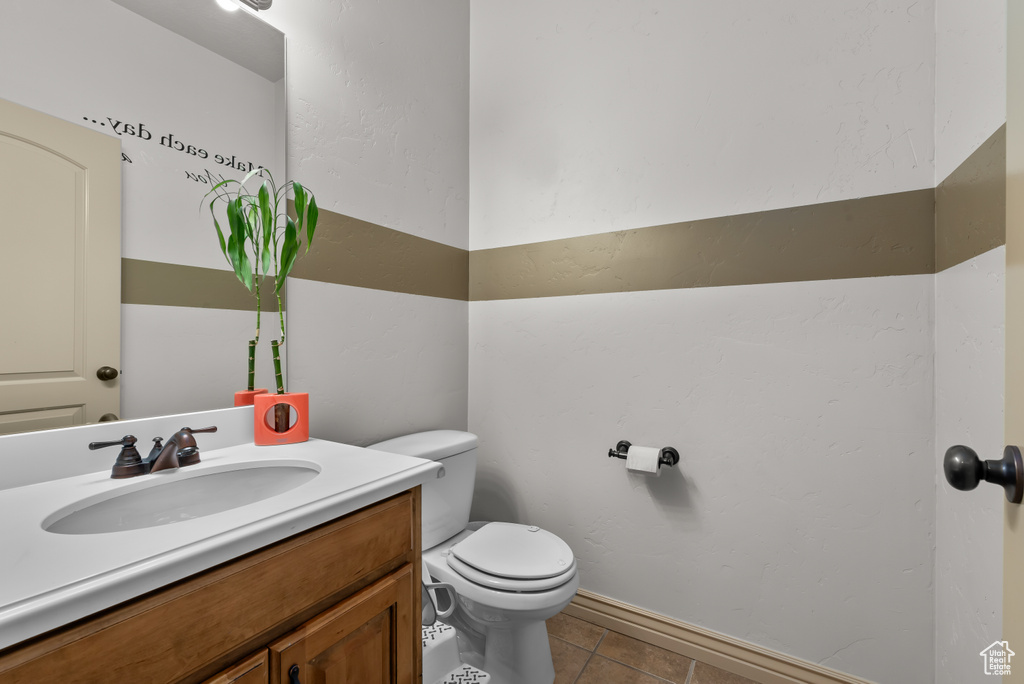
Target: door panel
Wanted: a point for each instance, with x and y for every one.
(60, 234)
(362, 640)
(1013, 527)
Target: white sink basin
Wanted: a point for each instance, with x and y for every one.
(174, 497)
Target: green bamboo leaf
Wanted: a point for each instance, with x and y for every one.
(215, 190)
(264, 208)
(266, 257)
(251, 174)
(289, 252)
(236, 243)
(314, 215)
(300, 204)
(237, 262)
(267, 253)
(246, 269)
(233, 255)
(236, 220)
(220, 233)
(255, 229)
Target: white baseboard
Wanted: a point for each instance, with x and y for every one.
(725, 652)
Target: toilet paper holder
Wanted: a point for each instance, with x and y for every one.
(668, 456)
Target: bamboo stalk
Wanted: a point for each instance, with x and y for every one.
(252, 365)
(275, 345)
(282, 412)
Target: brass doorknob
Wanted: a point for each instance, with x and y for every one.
(964, 470)
(106, 373)
(108, 417)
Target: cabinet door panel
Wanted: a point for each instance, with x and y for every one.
(363, 640)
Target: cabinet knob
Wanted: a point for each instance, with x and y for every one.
(293, 675)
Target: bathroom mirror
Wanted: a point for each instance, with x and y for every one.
(195, 94)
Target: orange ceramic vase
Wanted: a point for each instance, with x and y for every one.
(264, 431)
(245, 397)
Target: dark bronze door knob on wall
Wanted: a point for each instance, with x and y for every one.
(964, 470)
(106, 373)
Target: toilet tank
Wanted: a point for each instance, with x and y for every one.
(446, 500)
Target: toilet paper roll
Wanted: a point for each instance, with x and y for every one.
(643, 460)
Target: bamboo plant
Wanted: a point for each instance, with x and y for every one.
(261, 240)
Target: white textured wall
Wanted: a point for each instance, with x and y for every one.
(589, 117)
(804, 412)
(970, 78)
(970, 104)
(378, 127)
(379, 364)
(797, 518)
(178, 359)
(378, 109)
(969, 366)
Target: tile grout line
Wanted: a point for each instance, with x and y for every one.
(693, 666)
(589, 657)
(633, 667)
(584, 668)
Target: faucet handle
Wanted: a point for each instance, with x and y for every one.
(129, 462)
(189, 451)
(158, 445)
(212, 428)
(126, 441)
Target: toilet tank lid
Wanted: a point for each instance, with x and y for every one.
(433, 445)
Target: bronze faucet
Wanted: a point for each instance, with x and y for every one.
(181, 450)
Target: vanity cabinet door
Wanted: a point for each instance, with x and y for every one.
(369, 638)
(252, 670)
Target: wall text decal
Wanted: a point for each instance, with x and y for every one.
(169, 140)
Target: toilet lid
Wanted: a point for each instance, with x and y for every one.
(517, 552)
(504, 583)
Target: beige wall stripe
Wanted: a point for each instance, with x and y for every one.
(970, 205)
(160, 284)
(348, 251)
(899, 234)
(871, 236)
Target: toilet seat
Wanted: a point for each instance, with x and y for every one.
(504, 583)
(514, 558)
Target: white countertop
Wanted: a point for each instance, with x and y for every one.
(48, 579)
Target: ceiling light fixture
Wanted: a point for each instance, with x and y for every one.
(228, 5)
(258, 4)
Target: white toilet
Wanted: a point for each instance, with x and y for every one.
(509, 578)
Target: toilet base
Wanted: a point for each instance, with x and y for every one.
(519, 656)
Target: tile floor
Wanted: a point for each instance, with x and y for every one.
(585, 653)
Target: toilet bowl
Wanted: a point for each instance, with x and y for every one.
(501, 620)
(509, 578)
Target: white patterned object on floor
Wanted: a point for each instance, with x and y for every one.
(436, 634)
(466, 674)
(440, 652)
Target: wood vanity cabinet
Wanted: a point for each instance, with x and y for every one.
(357, 642)
(338, 602)
(252, 670)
